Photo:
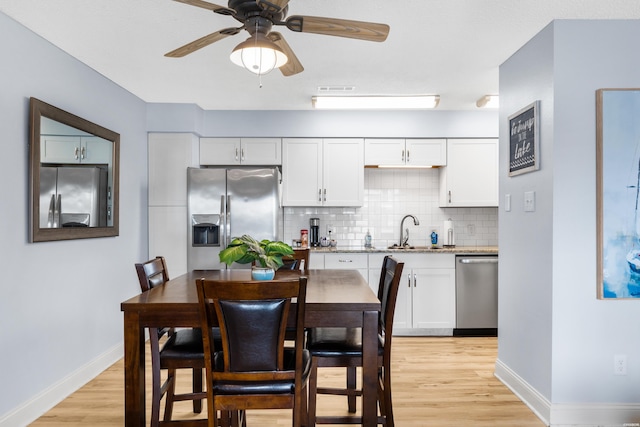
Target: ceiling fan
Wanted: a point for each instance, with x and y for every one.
(259, 16)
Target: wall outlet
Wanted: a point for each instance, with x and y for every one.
(331, 229)
(620, 364)
(471, 229)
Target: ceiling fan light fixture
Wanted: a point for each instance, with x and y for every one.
(488, 101)
(258, 54)
(375, 102)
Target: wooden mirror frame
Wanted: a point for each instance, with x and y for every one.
(37, 110)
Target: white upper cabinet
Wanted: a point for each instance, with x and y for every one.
(75, 149)
(470, 178)
(240, 151)
(323, 172)
(405, 152)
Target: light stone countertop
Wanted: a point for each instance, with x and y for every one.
(416, 249)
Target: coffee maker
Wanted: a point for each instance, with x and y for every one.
(314, 224)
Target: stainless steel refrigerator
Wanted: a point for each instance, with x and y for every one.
(73, 196)
(228, 202)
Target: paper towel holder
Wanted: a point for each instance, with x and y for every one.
(448, 238)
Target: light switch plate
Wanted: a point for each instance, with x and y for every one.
(529, 201)
(507, 202)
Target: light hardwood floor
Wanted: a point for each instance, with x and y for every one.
(437, 382)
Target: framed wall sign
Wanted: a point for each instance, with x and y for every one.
(524, 140)
(617, 193)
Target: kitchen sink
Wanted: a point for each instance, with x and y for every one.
(409, 247)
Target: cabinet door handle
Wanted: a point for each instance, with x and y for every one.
(402, 156)
(76, 153)
(415, 280)
(325, 195)
(345, 260)
(408, 156)
(236, 156)
(82, 153)
(319, 194)
(449, 196)
(408, 280)
(242, 154)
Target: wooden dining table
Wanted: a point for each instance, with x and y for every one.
(335, 298)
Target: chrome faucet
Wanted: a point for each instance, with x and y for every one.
(403, 239)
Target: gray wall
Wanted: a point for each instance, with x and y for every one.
(557, 340)
(60, 319)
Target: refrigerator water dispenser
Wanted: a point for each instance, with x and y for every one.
(206, 229)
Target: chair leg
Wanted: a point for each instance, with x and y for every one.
(313, 388)
(156, 396)
(171, 391)
(386, 403)
(351, 389)
(300, 413)
(197, 388)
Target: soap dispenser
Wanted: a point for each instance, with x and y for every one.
(367, 240)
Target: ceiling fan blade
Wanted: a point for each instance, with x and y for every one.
(293, 65)
(338, 27)
(273, 6)
(203, 42)
(222, 10)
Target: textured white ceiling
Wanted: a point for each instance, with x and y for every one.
(448, 47)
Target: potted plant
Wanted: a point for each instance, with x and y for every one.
(265, 254)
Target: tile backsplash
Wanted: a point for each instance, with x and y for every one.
(389, 195)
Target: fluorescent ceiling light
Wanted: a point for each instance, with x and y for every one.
(488, 101)
(375, 102)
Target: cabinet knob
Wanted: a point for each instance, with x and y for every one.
(76, 152)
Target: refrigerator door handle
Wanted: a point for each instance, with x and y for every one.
(223, 218)
(52, 207)
(56, 212)
(228, 220)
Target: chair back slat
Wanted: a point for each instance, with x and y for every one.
(152, 273)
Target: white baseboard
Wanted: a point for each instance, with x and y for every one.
(50, 397)
(534, 400)
(569, 415)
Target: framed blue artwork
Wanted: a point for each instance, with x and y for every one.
(618, 192)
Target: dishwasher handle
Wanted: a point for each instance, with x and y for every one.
(479, 260)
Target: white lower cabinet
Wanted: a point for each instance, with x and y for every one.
(345, 261)
(426, 297)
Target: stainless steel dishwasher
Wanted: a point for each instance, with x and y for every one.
(476, 295)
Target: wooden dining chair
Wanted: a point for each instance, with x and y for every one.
(253, 369)
(183, 349)
(298, 261)
(342, 347)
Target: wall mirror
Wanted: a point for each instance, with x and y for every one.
(73, 176)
